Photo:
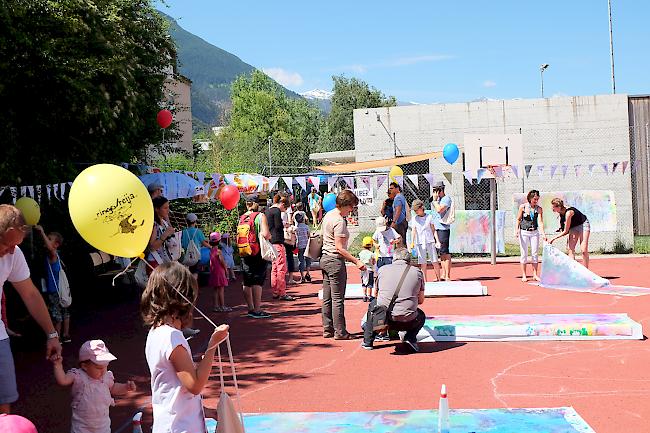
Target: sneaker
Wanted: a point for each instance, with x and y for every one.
(287, 298)
(328, 334)
(347, 336)
(366, 346)
(382, 337)
(413, 345)
(308, 278)
(189, 332)
(259, 315)
(65, 339)
(365, 298)
(226, 309)
(303, 280)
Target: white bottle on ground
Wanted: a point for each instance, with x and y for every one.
(443, 411)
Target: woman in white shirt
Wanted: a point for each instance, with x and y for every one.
(425, 238)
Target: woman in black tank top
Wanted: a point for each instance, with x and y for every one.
(576, 225)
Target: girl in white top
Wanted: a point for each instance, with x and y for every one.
(425, 238)
(176, 381)
(386, 238)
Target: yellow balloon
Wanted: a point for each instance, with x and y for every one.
(30, 209)
(112, 210)
(396, 170)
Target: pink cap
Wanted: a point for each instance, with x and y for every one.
(215, 236)
(16, 424)
(95, 351)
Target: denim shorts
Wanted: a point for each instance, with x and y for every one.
(8, 389)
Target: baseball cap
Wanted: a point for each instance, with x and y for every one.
(215, 237)
(438, 185)
(191, 217)
(252, 198)
(16, 424)
(225, 236)
(154, 186)
(367, 241)
(95, 351)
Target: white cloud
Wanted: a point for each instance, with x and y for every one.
(489, 83)
(286, 78)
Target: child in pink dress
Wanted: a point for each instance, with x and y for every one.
(218, 280)
(93, 387)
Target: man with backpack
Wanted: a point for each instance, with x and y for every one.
(253, 225)
(192, 239)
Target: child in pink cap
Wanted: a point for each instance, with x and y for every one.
(93, 387)
(218, 280)
(16, 424)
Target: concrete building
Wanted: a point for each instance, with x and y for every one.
(568, 131)
(178, 99)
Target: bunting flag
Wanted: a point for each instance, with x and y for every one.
(302, 181)
(480, 173)
(381, 179)
(201, 177)
(553, 169)
(55, 190)
(230, 179)
(2, 190)
(23, 191)
(468, 175)
(315, 180)
(14, 194)
(366, 181)
(216, 178)
(349, 181)
(49, 191)
(564, 170)
(414, 178)
(448, 176)
(272, 182)
(605, 167)
(498, 172)
(429, 177)
(30, 189)
(515, 170)
(591, 169)
(624, 166)
(62, 190)
(331, 181)
(527, 169)
(614, 166)
(577, 169)
(540, 170)
(39, 191)
(288, 181)
(125, 165)
(400, 181)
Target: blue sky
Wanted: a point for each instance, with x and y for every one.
(433, 51)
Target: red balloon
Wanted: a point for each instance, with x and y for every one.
(164, 118)
(229, 196)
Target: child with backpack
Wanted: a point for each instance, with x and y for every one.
(227, 250)
(367, 276)
(218, 280)
(302, 237)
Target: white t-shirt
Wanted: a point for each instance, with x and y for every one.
(175, 409)
(422, 226)
(13, 268)
(383, 238)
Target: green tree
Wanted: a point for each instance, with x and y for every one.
(349, 94)
(80, 82)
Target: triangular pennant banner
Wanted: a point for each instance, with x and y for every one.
(366, 181)
(62, 189)
(2, 190)
(577, 169)
(400, 181)
(302, 181)
(381, 179)
(614, 166)
(14, 194)
(429, 177)
(55, 190)
(468, 175)
(23, 191)
(315, 180)
(540, 170)
(553, 169)
(515, 170)
(230, 179)
(288, 181)
(564, 170)
(200, 176)
(605, 167)
(560, 271)
(38, 193)
(448, 176)
(30, 189)
(591, 169)
(349, 181)
(49, 191)
(331, 181)
(272, 182)
(414, 178)
(498, 172)
(624, 166)
(480, 173)
(125, 165)
(527, 169)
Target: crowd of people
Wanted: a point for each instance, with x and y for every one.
(393, 287)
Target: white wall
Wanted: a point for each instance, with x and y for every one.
(567, 130)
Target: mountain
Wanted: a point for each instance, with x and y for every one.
(212, 71)
(321, 99)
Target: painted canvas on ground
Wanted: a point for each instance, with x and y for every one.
(598, 206)
(546, 420)
(558, 270)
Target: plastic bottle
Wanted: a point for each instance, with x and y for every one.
(137, 426)
(443, 411)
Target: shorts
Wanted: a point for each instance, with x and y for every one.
(8, 389)
(443, 235)
(57, 312)
(584, 227)
(254, 270)
(368, 279)
(422, 253)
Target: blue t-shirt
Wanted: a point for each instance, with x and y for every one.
(52, 277)
(444, 201)
(399, 200)
(194, 233)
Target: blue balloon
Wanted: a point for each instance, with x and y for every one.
(329, 202)
(450, 152)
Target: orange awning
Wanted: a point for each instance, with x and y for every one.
(367, 165)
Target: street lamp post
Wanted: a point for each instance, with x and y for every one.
(611, 44)
(542, 68)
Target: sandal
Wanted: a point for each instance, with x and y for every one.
(287, 298)
(347, 336)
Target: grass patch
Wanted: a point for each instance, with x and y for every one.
(642, 244)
